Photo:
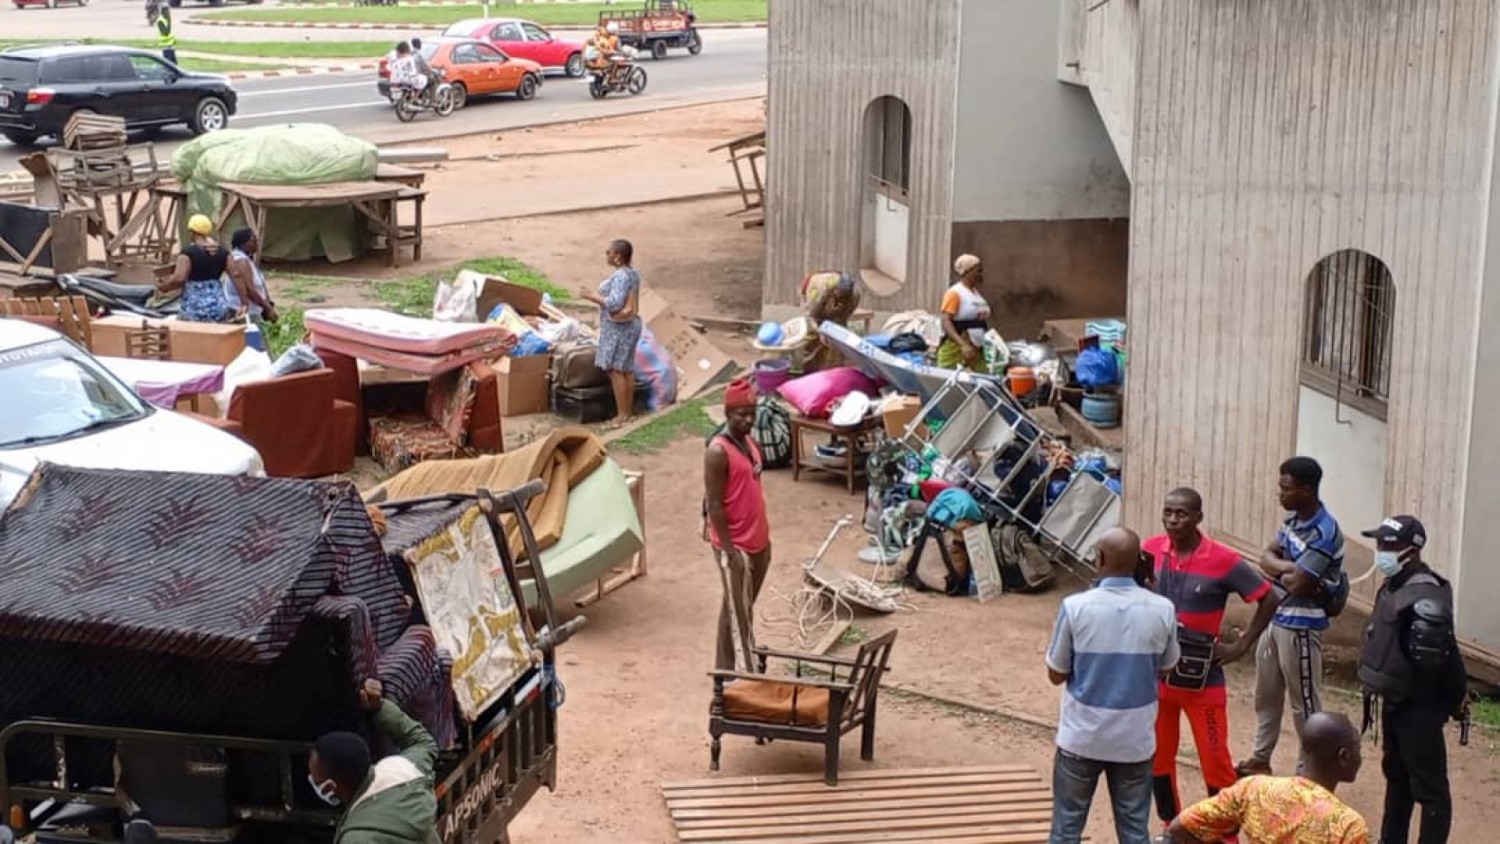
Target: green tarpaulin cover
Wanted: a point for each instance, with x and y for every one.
(293, 154)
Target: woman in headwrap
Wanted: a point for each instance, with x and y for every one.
(199, 272)
(826, 297)
(965, 316)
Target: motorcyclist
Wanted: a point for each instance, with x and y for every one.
(405, 71)
(423, 66)
(603, 46)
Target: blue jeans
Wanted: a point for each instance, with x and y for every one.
(1073, 782)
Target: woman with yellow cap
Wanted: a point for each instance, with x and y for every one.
(199, 273)
(966, 316)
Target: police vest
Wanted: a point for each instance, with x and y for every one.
(1385, 669)
(164, 37)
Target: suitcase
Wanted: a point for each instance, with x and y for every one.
(593, 404)
(573, 367)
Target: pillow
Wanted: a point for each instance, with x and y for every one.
(813, 395)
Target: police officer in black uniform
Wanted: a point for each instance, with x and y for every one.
(1412, 672)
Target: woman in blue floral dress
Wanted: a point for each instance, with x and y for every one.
(200, 275)
(618, 299)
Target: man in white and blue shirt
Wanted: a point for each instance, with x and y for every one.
(1306, 563)
(1111, 646)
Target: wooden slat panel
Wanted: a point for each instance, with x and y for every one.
(869, 816)
(894, 784)
(823, 805)
(948, 792)
(846, 777)
(1006, 804)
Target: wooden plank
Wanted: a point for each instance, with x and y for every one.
(812, 807)
(830, 636)
(1019, 834)
(941, 792)
(851, 776)
(819, 787)
(1022, 834)
(925, 825)
(869, 814)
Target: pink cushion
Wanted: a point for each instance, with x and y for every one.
(813, 394)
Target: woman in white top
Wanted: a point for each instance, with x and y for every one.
(966, 316)
(245, 291)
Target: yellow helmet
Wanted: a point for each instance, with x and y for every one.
(200, 224)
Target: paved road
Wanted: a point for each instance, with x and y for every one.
(127, 19)
(733, 64)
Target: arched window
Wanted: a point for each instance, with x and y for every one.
(886, 222)
(888, 128)
(1347, 338)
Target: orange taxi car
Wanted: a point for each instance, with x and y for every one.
(474, 69)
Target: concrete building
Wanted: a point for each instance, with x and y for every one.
(1313, 243)
(905, 132)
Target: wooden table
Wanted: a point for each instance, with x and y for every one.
(377, 202)
(163, 382)
(853, 464)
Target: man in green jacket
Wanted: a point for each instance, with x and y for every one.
(390, 801)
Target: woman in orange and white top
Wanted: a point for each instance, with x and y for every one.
(966, 316)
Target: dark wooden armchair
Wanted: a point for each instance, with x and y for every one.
(803, 708)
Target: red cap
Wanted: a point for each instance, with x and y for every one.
(738, 394)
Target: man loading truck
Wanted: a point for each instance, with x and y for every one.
(390, 800)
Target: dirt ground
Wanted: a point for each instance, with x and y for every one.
(695, 251)
(637, 690)
(637, 703)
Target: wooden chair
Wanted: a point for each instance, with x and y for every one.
(803, 708)
(149, 343)
(69, 313)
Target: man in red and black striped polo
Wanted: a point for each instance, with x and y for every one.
(1198, 575)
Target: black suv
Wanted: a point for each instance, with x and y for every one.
(42, 86)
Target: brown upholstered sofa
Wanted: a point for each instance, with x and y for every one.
(296, 422)
(437, 427)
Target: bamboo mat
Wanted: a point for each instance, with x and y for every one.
(1001, 804)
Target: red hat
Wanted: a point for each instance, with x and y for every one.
(739, 394)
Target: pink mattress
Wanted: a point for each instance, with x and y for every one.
(398, 333)
(421, 364)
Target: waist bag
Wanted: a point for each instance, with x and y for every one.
(1191, 671)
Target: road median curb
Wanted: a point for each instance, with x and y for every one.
(313, 70)
(407, 27)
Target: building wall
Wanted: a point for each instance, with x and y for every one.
(1478, 582)
(829, 59)
(1040, 194)
(1270, 133)
(1351, 447)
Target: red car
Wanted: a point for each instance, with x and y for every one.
(523, 40)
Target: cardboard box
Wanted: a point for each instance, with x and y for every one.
(522, 384)
(493, 291)
(192, 342)
(898, 414)
(699, 363)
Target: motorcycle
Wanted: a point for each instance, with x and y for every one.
(622, 75)
(438, 97)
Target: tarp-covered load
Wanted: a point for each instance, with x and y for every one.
(295, 154)
(203, 603)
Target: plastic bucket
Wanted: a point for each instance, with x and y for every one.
(770, 374)
(1102, 410)
(1022, 380)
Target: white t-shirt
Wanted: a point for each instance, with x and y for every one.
(964, 304)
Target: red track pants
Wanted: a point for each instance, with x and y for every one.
(1208, 716)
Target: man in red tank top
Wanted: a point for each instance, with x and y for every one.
(736, 524)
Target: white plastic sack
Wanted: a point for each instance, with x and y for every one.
(298, 358)
(251, 365)
(458, 300)
(560, 331)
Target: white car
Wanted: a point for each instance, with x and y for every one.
(58, 404)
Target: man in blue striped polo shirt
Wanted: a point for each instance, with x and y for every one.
(1306, 563)
(1111, 646)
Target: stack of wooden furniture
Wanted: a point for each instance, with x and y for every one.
(68, 315)
(102, 138)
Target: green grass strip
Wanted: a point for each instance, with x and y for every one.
(547, 14)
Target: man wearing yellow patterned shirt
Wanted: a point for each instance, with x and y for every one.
(1286, 810)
